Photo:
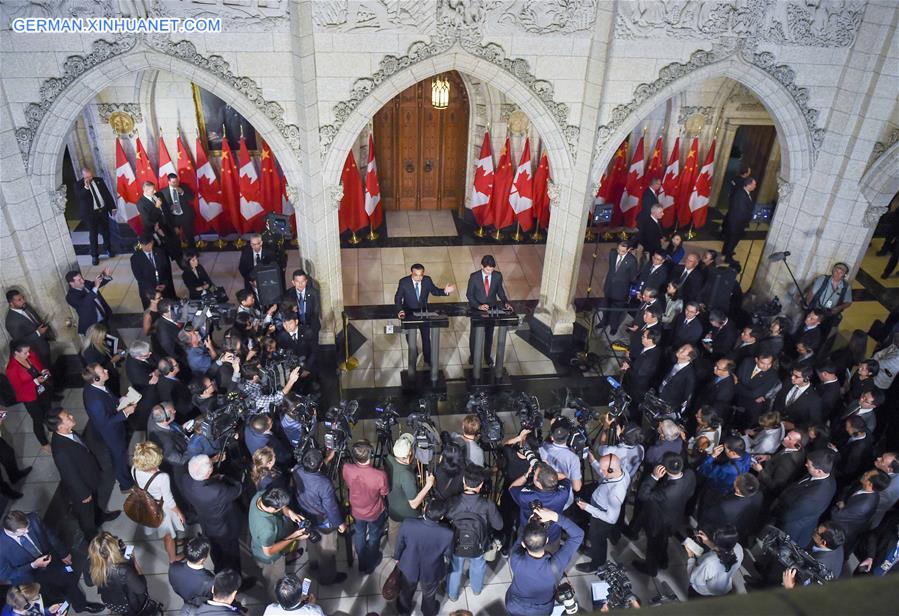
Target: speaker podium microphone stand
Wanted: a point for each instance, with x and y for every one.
(412, 379)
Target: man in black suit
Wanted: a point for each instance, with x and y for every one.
(828, 388)
(742, 508)
(856, 453)
(155, 223)
(25, 325)
(801, 505)
(755, 381)
(855, 510)
(719, 391)
(141, 368)
(86, 299)
(810, 333)
(739, 213)
(423, 548)
(650, 234)
(650, 198)
(797, 401)
(79, 473)
(167, 330)
(215, 499)
(676, 388)
(189, 578)
(723, 333)
(485, 291)
(748, 345)
(253, 255)
(719, 287)
(777, 471)
(654, 273)
(172, 389)
(688, 278)
(641, 367)
(616, 288)
(688, 327)
(96, 206)
(663, 495)
(152, 271)
(412, 295)
(178, 208)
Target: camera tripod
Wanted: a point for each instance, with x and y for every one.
(383, 448)
(334, 468)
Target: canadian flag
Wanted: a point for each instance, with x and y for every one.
(128, 190)
(633, 188)
(209, 195)
(521, 198)
(373, 206)
(166, 166)
(483, 185)
(251, 210)
(541, 192)
(702, 190)
(670, 183)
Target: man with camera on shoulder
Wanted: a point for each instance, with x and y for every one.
(405, 498)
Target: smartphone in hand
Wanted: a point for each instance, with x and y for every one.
(307, 585)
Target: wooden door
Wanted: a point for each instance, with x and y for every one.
(421, 151)
(755, 142)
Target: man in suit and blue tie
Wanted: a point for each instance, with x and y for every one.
(412, 295)
(85, 298)
(107, 421)
(308, 309)
(485, 291)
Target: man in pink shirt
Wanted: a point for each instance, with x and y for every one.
(367, 487)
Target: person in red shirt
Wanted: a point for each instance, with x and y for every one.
(367, 487)
(30, 382)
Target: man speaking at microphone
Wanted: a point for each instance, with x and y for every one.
(485, 290)
(412, 296)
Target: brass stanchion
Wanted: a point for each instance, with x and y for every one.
(349, 363)
(354, 239)
(480, 232)
(516, 237)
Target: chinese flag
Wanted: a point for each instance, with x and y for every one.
(373, 208)
(187, 175)
(633, 188)
(483, 185)
(352, 207)
(670, 184)
(521, 197)
(503, 216)
(287, 208)
(251, 211)
(702, 189)
(612, 183)
(656, 162)
(166, 166)
(541, 193)
(128, 190)
(142, 167)
(687, 179)
(209, 196)
(231, 188)
(271, 181)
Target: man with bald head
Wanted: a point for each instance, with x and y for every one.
(604, 506)
(96, 206)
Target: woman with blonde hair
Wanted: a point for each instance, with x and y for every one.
(122, 586)
(264, 472)
(145, 468)
(95, 349)
(766, 440)
(26, 600)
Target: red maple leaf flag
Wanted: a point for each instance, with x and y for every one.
(702, 190)
(521, 197)
(670, 183)
(351, 215)
(655, 169)
(503, 216)
(209, 196)
(685, 189)
(143, 169)
(612, 183)
(231, 188)
(128, 190)
(483, 185)
(166, 166)
(270, 189)
(373, 207)
(633, 188)
(541, 192)
(251, 210)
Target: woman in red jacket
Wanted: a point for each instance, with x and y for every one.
(29, 379)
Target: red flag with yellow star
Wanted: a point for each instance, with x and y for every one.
(656, 167)
(230, 182)
(503, 215)
(352, 206)
(687, 179)
(612, 183)
(143, 169)
(271, 181)
(187, 175)
(541, 192)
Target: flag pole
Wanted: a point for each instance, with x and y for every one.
(498, 235)
(480, 232)
(517, 236)
(220, 243)
(354, 239)
(372, 236)
(537, 236)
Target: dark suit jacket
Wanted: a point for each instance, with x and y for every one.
(187, 204)
(215, 501)
(86, 200)
(831, 398)
(748, 389)
(804, 411)
(691, 287)
(311, 320)
(679, 388)
(654, 280)
(175, 391)
(811, 338)
(246, 265)
(106, 420)
(79, 471)
(739, 212)
(643, 369)
(683, 333)
(855, 515)
(741, 351)
(167, 341)
(718, 288)
(741, 511)
(476, 295)
(148, 276)
(172, 442)
(405, 299)
(650, 236)
(189, 583)
(832, 559)
(15, 561)
(150, 215)
(24, 329)
(423, 548)
(801, 505)
(780, 470)
(724, 338)
(665, 501)
(617, 285)
(85, 306)
(718, 394)
(192, 281)
(854, 458)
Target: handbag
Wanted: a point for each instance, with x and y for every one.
(151, 607)
(391, 588)
(141, 507)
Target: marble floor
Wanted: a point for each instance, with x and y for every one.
(424, 223)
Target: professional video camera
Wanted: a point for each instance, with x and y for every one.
(655, 409)
(765, 313)
(223, 417)
(339, 422)
(527, 409)
(427, 437)
(386, 417)
(204, 312)
(619, 400)
(620, 592)
(491, 425)
(306, 525)
(778, 544)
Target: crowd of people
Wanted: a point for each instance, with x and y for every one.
(762, 423)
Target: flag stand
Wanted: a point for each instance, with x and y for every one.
(220, 243)
(517, 236)
(691, 233)
(589, 236)
(537, 236)
(497, 236)
(372, 236)
(349, 363)
(480, 232)
(354, 239)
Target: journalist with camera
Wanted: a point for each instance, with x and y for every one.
(541, 487)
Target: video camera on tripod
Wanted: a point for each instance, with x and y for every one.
(339, 421)
(778, 544)
(765, 313)
(619, 400)
(427, 437)
(223, 417)
(386, 417)
(619, 590)
(491, 425)
(528, 412)
(211, 309)
(655, 409)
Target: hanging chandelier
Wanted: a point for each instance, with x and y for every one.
(440, 92)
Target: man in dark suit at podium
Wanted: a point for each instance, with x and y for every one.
(412, 295)
(178, 208)
(485, 290)
(739, 213)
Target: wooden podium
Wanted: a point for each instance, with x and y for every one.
(501, 320)
(414, 322)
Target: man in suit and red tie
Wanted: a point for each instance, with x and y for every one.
(485, 291)
(178, 208)
(412, 295)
